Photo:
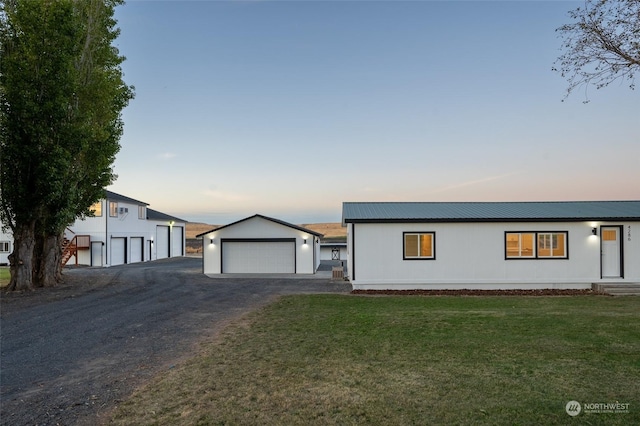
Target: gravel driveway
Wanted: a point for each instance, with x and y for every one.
(70, 354)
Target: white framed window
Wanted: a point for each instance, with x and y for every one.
(552, 244)
(536, 245)
(419, 245)
(113, 209)
(520, 245)
(142, 212)
(5, 246)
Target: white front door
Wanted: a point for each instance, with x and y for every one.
(610, 249)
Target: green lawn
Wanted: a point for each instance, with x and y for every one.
(4, 276)
(337, 359)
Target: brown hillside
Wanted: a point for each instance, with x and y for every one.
(195, 228)
(327, 229)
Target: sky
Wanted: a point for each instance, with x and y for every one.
(289, 108)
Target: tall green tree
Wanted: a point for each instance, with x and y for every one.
(61, 96)
(601, 45)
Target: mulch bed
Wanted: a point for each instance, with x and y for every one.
(465, 292)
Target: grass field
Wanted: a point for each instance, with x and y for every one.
(4, 276)
(331, 359)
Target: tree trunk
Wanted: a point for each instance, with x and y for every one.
(21, 259)
(47, 264)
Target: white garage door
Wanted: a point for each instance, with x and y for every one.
(176, 241)
(118, 252)
(258, 257)
(136, 249)
(162, 242)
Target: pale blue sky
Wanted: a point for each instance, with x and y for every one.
(290, 108)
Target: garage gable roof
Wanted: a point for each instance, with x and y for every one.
(278, 221)
(573, 211)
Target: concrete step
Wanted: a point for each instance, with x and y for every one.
(618, 289)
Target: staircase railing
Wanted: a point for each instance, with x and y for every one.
(70, 247)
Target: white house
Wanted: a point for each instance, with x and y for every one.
(123, 230)
(6, 246)
(260, 244)
(501, 245)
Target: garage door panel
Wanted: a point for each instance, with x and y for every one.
(177, 240)
(136, 249)
(258, 257)
(118, 251)
(162, 242)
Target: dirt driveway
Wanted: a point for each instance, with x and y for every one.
(70, 354)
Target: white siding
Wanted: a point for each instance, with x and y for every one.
(472, 255)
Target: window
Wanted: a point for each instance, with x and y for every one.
(419, 245)
(5, 246)
(536, 245)
(551, 245)
(113, 209)
(142, 214)
(520, 244)
(96, 209)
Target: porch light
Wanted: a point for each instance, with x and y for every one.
(305, 241)
(594, 231)
(211, 241)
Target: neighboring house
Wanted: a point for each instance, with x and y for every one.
(122, 230)
(501, 245)
(6, 245)
(260, 244)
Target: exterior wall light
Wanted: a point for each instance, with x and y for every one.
(594, 231)
(305, 241)
(211, 241)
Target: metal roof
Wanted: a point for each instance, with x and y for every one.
(156, 215)
(490, 211)
(281, 222)
(112, 196)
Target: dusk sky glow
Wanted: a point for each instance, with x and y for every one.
(287, 109)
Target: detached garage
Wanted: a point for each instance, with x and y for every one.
(260, 245)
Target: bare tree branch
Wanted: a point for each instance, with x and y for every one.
(602, 45)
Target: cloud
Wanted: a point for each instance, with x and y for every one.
(166, 156)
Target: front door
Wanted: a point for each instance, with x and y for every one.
(611, 252)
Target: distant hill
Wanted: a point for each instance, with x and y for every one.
(329, 230)
(196, 228)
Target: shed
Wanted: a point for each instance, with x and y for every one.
(260, 245)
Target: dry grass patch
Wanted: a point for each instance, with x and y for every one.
(329, 230)
(196, 228)
(329, 359)
(5, 276)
